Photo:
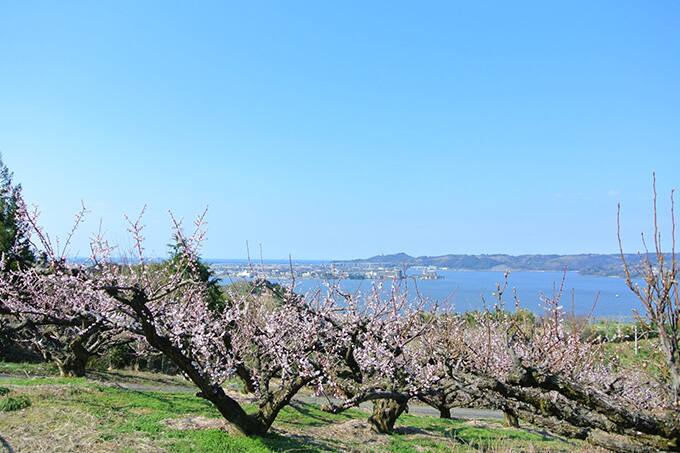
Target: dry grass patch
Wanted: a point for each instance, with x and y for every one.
(60, 429)
(354, 435)
(198, 422)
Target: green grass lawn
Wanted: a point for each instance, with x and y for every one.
(92, 416)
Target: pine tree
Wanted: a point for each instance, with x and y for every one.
(14, 242)
(199, 271)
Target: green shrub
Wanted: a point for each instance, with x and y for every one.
(117, 357)
(4, 391)
(10, 403)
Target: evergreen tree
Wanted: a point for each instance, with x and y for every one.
(14, 241)
(199, 271)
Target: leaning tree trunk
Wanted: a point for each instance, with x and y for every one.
(231, 410)
(575, 410)
(385, 414)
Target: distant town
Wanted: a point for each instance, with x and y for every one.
(333, 271)
(401, 265)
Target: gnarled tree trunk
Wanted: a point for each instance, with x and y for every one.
(72, 366)
(71, 361)
(74, 362)
(385, 414)
(510, 419)
(578, 411)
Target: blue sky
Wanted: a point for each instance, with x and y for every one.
(346, 129)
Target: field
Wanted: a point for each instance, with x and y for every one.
(145, 412)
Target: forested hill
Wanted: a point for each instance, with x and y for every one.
(594, 264)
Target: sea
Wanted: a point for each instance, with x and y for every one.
(581, 295)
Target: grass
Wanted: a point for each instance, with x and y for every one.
(10, 403)
(613, 330)
(78, 414)
(648, 357)
(28, 369)
(458, 435)
(23, 372)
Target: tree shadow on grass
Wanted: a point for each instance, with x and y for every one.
(172, 404)
(547, 435)
(296, 442)
(5, 445)
(411, 430)
(489, 437)
(308, 415)
(123, 401)
(104, 399)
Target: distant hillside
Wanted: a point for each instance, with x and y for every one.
(594, 264)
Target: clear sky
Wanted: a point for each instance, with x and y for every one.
(346, 129)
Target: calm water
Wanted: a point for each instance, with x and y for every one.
(464, 290)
